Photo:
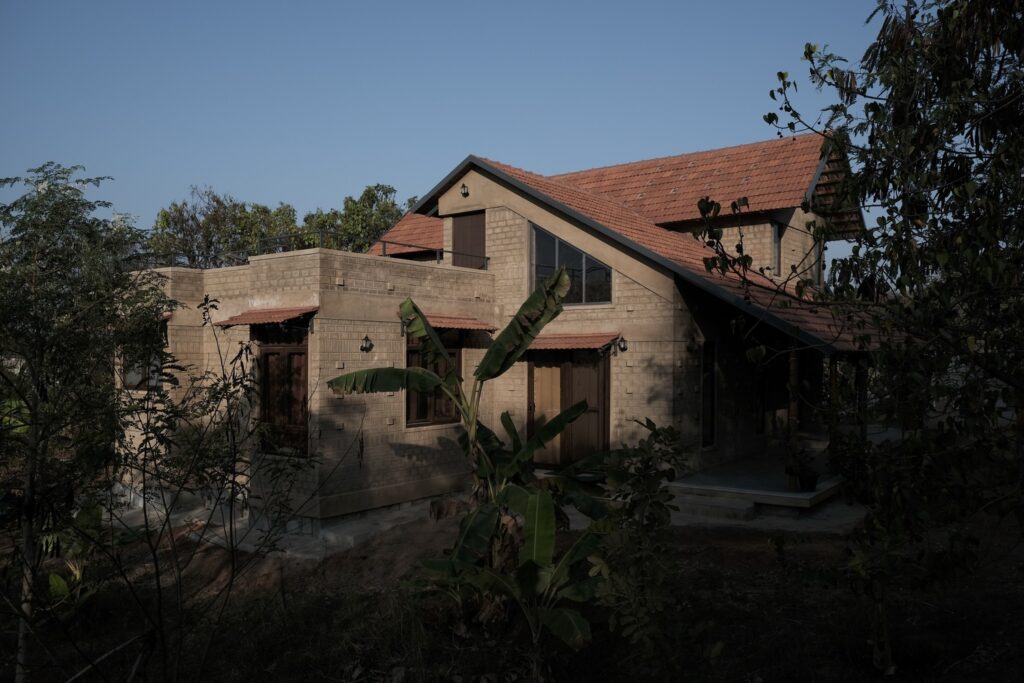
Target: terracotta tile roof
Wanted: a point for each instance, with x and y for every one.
(773, 174)
(761, 299)
(424, 233)
(549, 342)
(262, 316)
(458, 322)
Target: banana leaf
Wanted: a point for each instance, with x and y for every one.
(475, 532)
(557, 574)
(513, 433)
(538, 530)
(551, 429)
(418, 327)
(568, 625)
(489, 580)
(376, 380)
(537, 311)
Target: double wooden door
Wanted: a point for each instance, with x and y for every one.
(557, 380)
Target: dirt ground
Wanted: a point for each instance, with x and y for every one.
(770, 607)
(773, 600)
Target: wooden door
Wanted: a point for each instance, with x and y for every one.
(545, 403)
(283, 390)
(469, 241)
(588, 380)
(557, 381)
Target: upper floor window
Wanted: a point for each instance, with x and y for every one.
(469, 240)
(777, 230)
(590, 281)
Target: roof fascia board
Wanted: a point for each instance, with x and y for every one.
(809, 196)
(814, 181)
(428, 204)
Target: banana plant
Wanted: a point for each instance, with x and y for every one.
(491, 463)
(515, 503)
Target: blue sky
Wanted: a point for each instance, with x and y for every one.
(306, 102)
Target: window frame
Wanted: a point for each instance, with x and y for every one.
(777, 231)
(583, 270)
(454, 350)
(286, 438)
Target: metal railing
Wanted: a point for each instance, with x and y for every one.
(201, 258)
(483, 261)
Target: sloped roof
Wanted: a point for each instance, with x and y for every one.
(684, 255)
(458, 322)
(413, 233)
(263, 316)
(551, 342)
(622, 221)
(774, 174)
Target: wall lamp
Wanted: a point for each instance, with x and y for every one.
(464, 191)
(623, 346)
(367, 345)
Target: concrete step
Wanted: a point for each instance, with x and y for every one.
(692, 505)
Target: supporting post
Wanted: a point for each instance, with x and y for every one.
(833, 399)
(861, 384)
(793, 418)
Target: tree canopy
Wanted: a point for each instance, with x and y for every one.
(69, 299)
(932, 121)
(209, 230)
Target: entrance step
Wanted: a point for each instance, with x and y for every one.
(692, 505)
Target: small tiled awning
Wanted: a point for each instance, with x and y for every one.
(264, 316)
(458, 322)
(551, 342)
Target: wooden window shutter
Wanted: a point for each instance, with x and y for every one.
(469, 241)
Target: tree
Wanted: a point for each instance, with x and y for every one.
(360, 223)
(69, 300)
(210, 230)
(932, 120)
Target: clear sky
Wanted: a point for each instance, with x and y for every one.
(306, 102)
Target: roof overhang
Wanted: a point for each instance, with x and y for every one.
(559, 342)
(267, 316)
(458, 322)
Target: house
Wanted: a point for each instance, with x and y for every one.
(647, 330)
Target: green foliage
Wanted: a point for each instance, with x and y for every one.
(386, 379)
(209, 230)
(637, 582)
(68, 299)
(931, 120)
(360, 222)
(537, 311)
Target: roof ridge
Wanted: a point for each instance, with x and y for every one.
(562, 176)
(576, 188)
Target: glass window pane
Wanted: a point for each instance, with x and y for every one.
(543, 256)
(598, 283)
(572, 259)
